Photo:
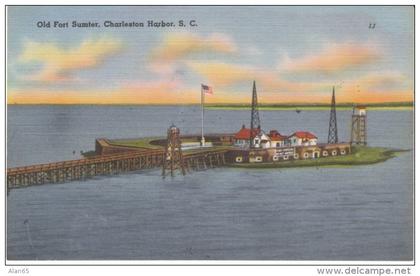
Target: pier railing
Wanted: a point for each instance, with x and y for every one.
(59, 172)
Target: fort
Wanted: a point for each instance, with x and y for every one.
(247, 148)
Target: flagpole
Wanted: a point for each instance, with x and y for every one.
(202, 118)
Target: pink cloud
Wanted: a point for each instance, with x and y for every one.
(58, 63)
(223, 74)
(333, 58)
(178, 45)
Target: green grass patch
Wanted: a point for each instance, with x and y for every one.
(359, 156)
(144, 143)
(214, 148)
(138, 143)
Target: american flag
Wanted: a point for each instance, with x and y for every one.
(206, 89)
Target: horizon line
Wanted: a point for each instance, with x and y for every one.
(221, 103)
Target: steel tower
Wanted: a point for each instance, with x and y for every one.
(358, 126)
(332, 131)
(173, 159)
(255, 117)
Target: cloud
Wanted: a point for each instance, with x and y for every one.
(377, 81)
(374, 96)
(333, 59)
(168, 59)
(178, 45)
(145, 85)
(147, 92)
(373, 87)
(382, 86)
(221, 74)
(59, 63)
(384, 81)
(365, 89)
(155, 92)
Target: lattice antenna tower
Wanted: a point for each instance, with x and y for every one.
(332, 130)
(255, 117)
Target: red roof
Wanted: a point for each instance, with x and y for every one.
(276, 136)
(304, 135)
(244, 133)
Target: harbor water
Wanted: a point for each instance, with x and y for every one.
(319, 213)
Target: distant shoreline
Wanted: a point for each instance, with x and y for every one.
(315, 106)
(310, 108)
(262, 106)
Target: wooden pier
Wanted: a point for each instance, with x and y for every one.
(60, 172)
(205, 160)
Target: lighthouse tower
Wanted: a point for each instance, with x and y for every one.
(358, 126)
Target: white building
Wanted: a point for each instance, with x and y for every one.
(278, 140)
(259, 138)
(274, 139)
(302, 138)
(242, 137)
(262, 140)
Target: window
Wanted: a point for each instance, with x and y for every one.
(277, 144)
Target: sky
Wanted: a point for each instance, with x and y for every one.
(296, 54)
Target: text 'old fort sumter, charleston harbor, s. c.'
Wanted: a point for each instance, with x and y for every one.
(117, 24)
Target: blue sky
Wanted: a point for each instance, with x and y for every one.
(295, 53)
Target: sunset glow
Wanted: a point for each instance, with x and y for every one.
(290, 63)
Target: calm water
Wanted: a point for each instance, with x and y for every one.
(355, 213)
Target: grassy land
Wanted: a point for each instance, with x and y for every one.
(139, 143)
(145, 144)
(197, 150)
(360, 156)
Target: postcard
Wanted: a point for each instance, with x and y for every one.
(210, 134)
